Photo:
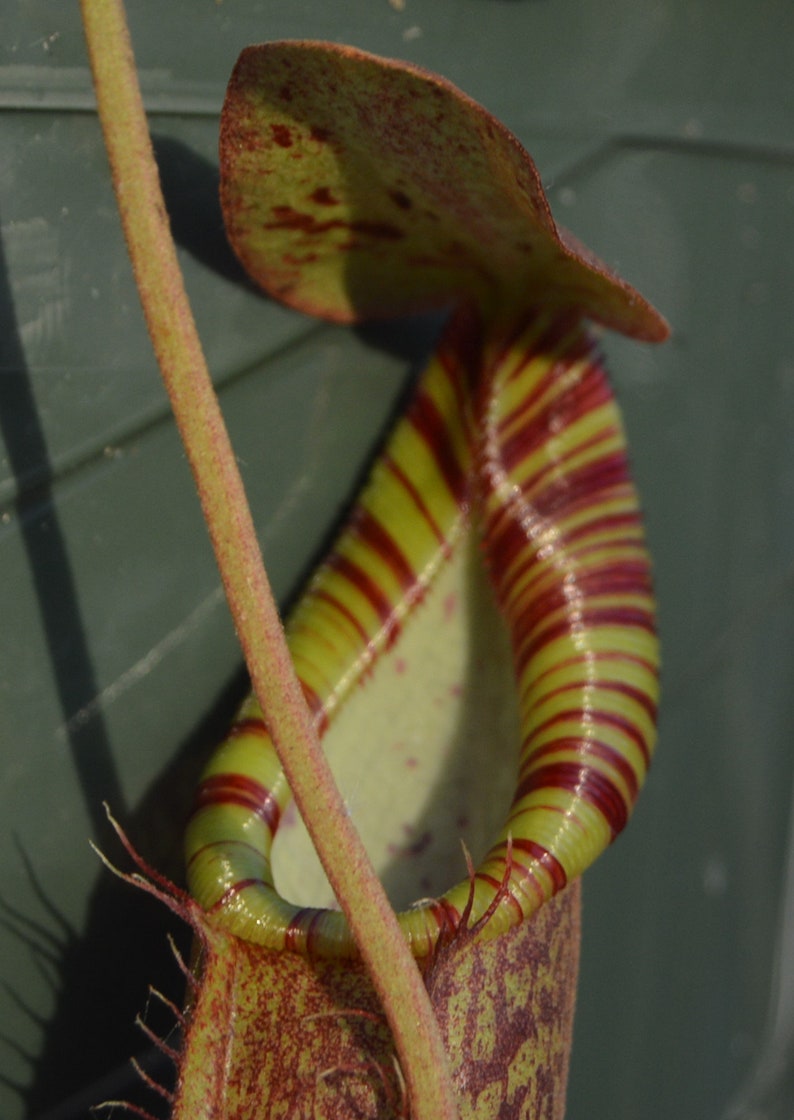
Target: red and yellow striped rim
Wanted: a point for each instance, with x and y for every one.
(528, 441)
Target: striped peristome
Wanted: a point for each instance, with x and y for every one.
(523, 439)
(568, 562)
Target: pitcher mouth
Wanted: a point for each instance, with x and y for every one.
(538, 461)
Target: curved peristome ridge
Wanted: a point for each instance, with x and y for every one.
(567, 557)
(540, 454)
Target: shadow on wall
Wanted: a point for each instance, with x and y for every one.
(100, 976)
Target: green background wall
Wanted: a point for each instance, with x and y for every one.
(664, 131)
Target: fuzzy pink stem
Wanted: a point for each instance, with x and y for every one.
(392, 967)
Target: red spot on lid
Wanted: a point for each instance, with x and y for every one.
(297, 260)
(401, 199)
(323, 197)
(286, 217)
(282, 135)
